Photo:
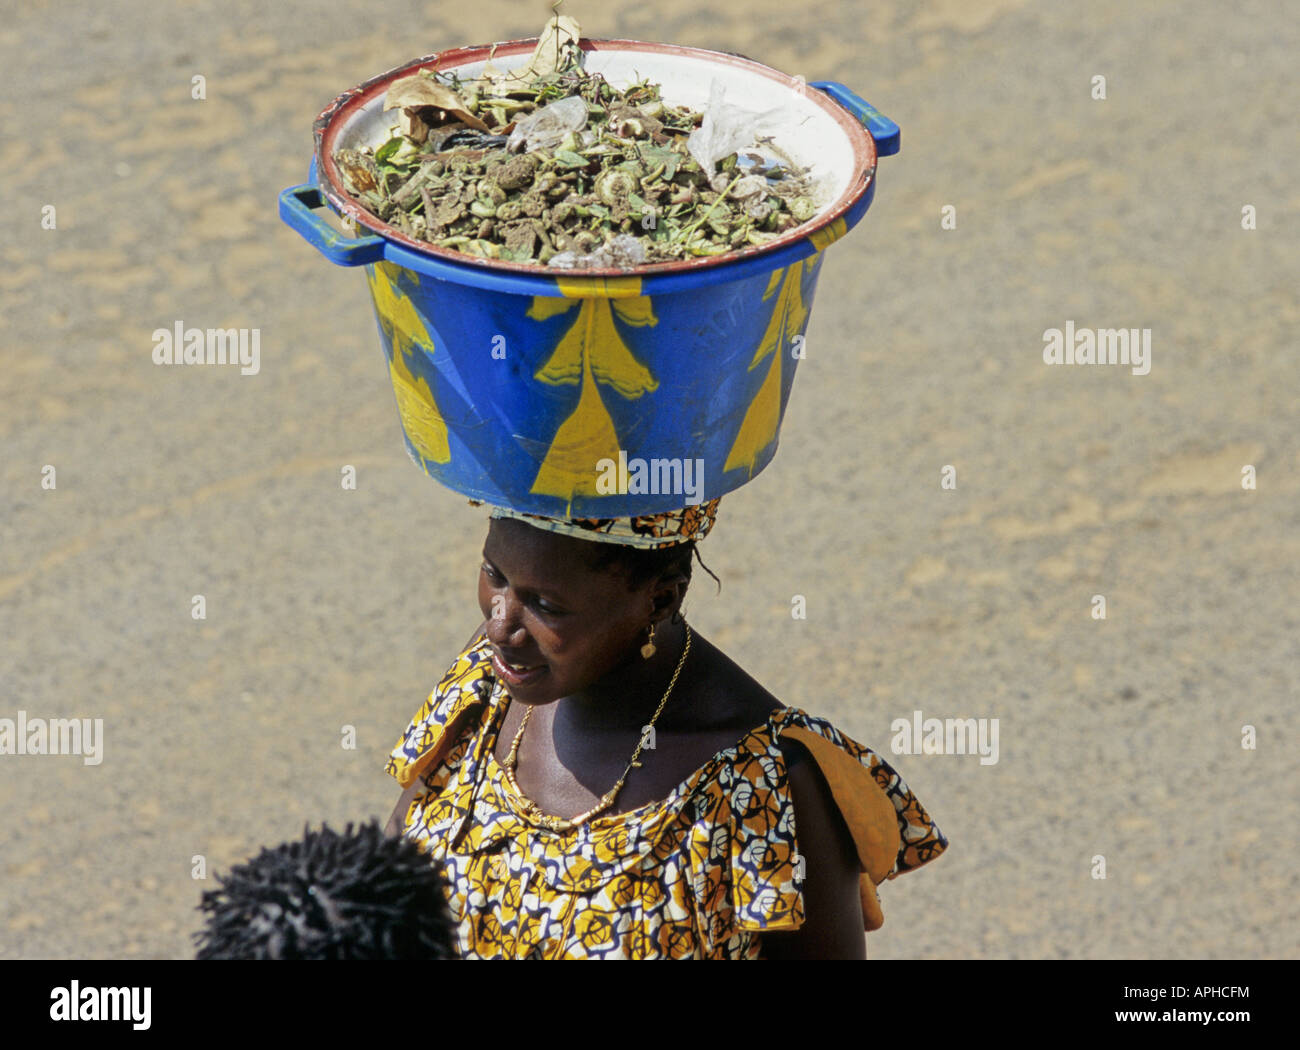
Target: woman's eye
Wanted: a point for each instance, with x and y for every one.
(541, 603)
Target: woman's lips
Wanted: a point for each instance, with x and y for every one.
(522, 676)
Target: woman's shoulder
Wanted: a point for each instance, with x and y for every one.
(891, 828)
(793, 770)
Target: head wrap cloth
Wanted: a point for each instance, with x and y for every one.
(647, 531)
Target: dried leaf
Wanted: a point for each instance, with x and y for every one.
(421, 91)
(412, 126)
(358, 169)
(556, 48)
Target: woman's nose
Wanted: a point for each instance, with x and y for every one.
(504, 624)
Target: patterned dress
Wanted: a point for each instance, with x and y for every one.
(701, 874)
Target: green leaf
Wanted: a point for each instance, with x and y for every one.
(568, 159)
(388, 148)
(653, 156)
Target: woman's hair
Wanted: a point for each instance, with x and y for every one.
(640, 566)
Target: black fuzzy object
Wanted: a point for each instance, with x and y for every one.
(358, 895)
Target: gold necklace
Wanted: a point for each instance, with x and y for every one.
(607, 799)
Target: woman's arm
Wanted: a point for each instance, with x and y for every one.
(832, 902)
(397, 822)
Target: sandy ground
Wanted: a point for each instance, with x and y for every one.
(1119, 738)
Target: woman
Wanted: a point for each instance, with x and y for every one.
(601, 781)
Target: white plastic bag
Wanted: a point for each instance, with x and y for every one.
(727, 128)
(548, 126)
(620, 251)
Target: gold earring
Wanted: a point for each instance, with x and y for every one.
(648, 650)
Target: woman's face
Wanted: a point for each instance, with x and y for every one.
(548, 613)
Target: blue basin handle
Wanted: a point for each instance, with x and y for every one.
(298, 206)
(885, 132)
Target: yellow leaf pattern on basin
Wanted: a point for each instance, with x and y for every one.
(789, 314)
(591, 353)
(404, 328)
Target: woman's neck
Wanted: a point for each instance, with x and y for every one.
(628, 696)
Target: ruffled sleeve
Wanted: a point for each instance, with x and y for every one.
(744, 859)
(742, 849)
(762, 850)
(441, 719)
(892, 831)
